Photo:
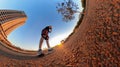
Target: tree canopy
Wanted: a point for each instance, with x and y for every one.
(67, 9)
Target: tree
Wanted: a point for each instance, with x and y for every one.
(67, 9)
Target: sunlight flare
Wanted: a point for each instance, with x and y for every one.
(58, 39)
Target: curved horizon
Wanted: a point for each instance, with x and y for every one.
(39, 15)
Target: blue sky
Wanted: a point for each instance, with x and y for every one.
(40, 13)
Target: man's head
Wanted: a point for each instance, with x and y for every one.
(50, 27)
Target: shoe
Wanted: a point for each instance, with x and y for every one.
(50, 50)
(40, 55)
(40, 52)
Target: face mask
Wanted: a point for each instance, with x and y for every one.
(50, 30)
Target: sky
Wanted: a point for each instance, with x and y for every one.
(40, 13)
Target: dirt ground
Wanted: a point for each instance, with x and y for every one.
(96, 43)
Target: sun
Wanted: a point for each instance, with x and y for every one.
(58, 40)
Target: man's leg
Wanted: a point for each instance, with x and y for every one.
(40, 46)
(48, 45)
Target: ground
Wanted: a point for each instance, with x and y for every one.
(96, 43)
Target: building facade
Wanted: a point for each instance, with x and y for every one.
(9, 21)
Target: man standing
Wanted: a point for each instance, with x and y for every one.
(44, 36)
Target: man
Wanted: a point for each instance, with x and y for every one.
(44, 36)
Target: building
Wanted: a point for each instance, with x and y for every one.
(9, 21)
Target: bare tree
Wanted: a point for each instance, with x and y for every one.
(67, 9)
